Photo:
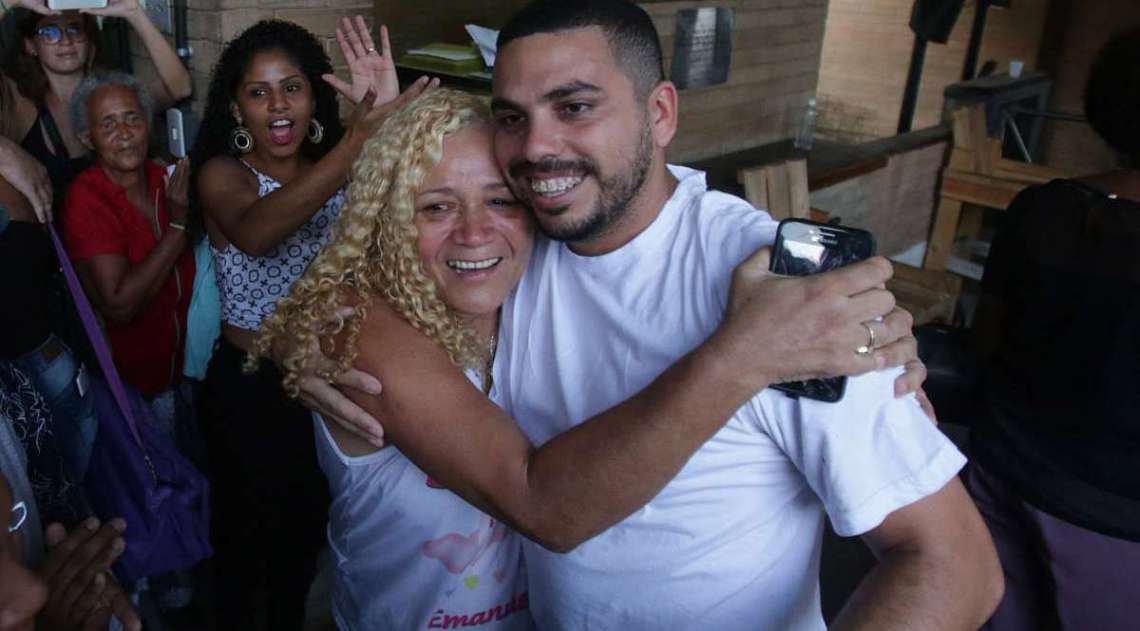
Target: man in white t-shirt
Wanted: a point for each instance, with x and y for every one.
(639, 291)
(639, 277)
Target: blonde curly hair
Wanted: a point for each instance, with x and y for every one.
(372, 249)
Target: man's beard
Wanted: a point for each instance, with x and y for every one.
(614, 193)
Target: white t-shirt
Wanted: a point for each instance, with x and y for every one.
(410, 554)
(733, 542)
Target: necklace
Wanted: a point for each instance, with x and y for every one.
(488, 375)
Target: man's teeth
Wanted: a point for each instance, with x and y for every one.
(554, 186)
(473, 265)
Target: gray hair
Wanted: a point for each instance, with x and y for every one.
(92, 82)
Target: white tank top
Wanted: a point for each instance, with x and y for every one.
(410, 554)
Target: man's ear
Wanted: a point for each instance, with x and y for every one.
(662, 111)
(85, 139)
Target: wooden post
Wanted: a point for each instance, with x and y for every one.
(942, 235)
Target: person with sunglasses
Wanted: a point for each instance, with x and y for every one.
(59, 49)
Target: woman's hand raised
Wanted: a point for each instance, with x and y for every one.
(368, 66)
(178, 191)
(371, 113)
(118, 9)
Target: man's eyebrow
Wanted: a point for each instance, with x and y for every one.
(563, 91)
(570, 89)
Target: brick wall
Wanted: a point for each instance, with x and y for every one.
(775, 57)
(866, 53)
(211, 23)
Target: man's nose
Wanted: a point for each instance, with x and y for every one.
(544, 139)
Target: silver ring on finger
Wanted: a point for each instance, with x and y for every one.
(370, 50)
(870, 345)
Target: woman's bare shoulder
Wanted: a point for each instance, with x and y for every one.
(222, 178)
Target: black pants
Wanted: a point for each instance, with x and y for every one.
(270, 499)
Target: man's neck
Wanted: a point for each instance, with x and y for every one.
(642, 212)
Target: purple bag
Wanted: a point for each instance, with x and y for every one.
(135, 472)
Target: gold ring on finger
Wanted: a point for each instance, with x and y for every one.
(870, 345)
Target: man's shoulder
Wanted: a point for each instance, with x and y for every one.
(729, 224)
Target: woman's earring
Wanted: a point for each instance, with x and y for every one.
(316, 131)
(240, 138)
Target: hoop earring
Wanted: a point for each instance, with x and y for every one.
(316, 131)
(240, 138)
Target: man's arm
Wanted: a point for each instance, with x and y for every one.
(329, 392)
(937, 569)
(597, 473)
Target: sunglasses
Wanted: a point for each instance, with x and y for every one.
(53, 34)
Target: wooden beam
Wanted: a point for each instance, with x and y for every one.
(942, 234)
(796, 173)
(980, 189)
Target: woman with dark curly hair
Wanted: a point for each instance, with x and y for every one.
(268, 167)
(59, 49)
(1054, 470)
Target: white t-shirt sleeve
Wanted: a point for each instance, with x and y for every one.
(866, 456)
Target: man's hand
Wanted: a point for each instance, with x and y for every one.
(28, 176)
(80, 593)
(319, 383)
(782, 328)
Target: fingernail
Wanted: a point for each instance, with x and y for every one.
(119, 524)
(91, 523)
(100, 579)
(118, 546)
(374, 388)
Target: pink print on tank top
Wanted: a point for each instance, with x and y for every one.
(458, 552)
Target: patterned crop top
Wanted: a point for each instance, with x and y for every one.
(251, 285)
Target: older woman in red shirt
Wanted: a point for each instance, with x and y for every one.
(124, 229)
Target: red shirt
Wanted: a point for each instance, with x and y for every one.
(98, 218)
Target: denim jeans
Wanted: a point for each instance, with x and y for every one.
(65, 384)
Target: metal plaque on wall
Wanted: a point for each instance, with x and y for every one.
(702, 50)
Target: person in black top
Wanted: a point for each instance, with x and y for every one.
(58, 51)
(1055, 469)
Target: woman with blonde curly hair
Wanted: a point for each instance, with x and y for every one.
(428, 246)
(430, 236)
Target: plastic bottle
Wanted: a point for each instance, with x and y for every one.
(806, 134)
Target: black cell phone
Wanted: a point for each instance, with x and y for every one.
(803, 248)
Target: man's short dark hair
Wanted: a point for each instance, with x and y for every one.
(1112, 95)
(631, 34)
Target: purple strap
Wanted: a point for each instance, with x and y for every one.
(95, 335)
